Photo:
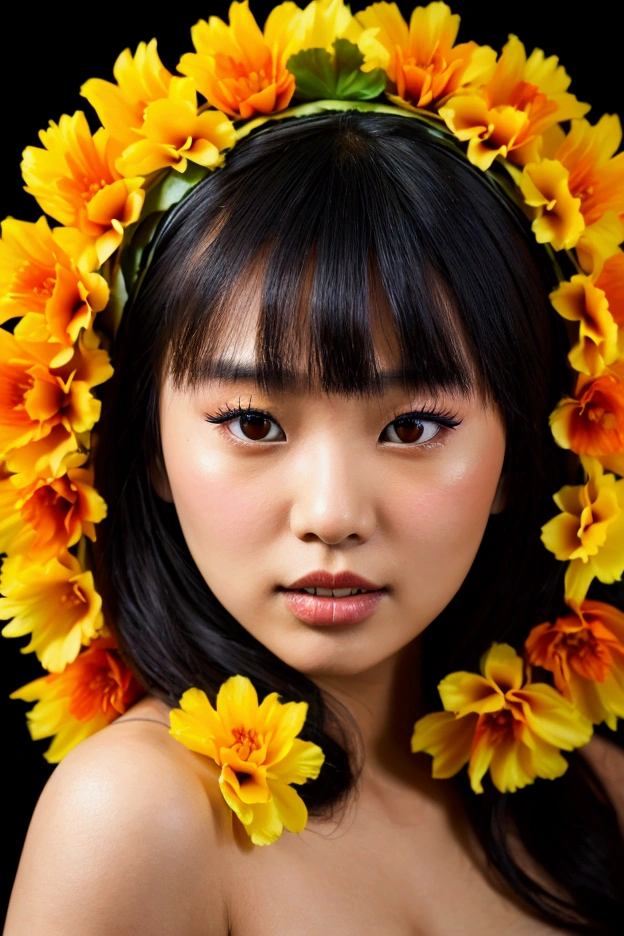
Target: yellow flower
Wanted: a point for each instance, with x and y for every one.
(589, 532)
(582, 300)
(258, 751)
(579, 184)
(75, 181)
(585, 653)
(494, 722)
(239, 69)
(508, 116)
(140, 80)
(88, 695)
(54, 514)
(55, 603)
(173, 133)
(34, 399)
(559, 222)
(421, 60)
(599, 242)
(37, 275)
(324, 21)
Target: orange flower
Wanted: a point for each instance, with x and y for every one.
(422, 60)
(592, 422)
(89, 694)
(582, 300)
(54, 514)
(596, 174)
(237, 68)
(55, 603)
(37, 275)
(585, 652)
(499, 722)
(141, 79)
(508, 116)
(173, 133)
(579, 184)
(611, 281)
(75, 181)
(34, 399)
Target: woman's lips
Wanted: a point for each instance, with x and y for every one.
(318, 609)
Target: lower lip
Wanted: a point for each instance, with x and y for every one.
(315, 609)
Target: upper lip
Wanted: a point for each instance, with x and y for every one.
(322, 579)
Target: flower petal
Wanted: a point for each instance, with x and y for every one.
(303, 762)
(291, 809)
(447, 738)
(265, 825)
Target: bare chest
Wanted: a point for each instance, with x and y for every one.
(372, 876)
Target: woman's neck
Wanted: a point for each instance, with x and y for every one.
(385, 701)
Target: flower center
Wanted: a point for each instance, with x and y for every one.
(91, 188)
(257, 81)
(499, 725)
(245, 741)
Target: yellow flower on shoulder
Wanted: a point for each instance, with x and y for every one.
(422, 60)
(258, 751)
(87, 696)
(74, 179)
(38, 275)
(174, 133)
(240, 69)
(500, 723)
(55, 603)
(140, 80)
(507, 117)
(589, 531)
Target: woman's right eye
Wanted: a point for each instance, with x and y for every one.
(255, 426)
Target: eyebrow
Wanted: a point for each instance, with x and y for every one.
(237, 372)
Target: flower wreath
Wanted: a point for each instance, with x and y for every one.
(63, 289)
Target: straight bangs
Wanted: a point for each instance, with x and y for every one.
(330, 240)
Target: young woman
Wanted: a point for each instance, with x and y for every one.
(335, 372)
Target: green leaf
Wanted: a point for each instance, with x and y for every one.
(319, 75)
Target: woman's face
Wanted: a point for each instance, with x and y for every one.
(328, 482)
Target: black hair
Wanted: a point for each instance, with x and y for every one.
(342, 212)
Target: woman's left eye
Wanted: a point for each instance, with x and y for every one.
(413, 429)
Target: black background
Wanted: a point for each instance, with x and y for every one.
(42, 66)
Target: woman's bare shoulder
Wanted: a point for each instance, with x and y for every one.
(129, 835)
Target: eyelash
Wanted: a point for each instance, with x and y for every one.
(446, 420)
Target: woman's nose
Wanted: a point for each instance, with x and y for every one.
(333, 495)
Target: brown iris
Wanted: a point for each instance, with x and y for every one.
(255, 426)
(408, 429)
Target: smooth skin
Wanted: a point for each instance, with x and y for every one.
(131, 834)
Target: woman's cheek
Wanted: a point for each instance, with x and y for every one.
(443, 515)
(221, 513)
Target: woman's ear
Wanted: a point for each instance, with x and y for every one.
(500, 497)
(159, 479)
